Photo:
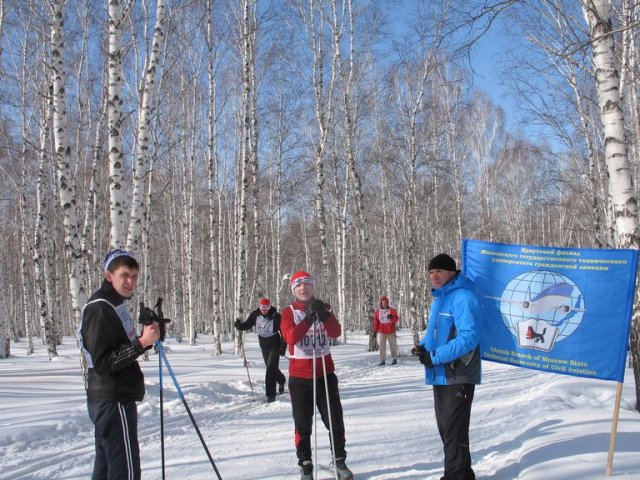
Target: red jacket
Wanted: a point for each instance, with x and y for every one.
(299, 336)
(388, 322)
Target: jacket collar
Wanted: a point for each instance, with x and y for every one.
(447, 287)
(110, 293)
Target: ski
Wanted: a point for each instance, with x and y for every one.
(330, 470)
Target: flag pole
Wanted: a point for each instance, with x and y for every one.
(614, 429)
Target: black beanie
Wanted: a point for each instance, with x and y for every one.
(442, 262)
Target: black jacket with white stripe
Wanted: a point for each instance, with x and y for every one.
(114, 374)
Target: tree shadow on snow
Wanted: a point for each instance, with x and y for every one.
(562, 450)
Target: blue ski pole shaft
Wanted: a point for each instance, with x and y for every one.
(186, 406)
(161, 415)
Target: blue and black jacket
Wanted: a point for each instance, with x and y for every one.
(453, 334)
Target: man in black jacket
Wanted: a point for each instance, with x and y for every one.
(115, 383)
(266, 319)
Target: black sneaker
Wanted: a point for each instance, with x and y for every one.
(271, 399)
(343, 471)
(306, 470)
(381, 364)
(395, 362)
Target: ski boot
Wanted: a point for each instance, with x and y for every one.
(395, 362)
(306, 470)
(343, 471)
(382, 364)
(271, 399)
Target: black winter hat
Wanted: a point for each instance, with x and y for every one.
(442, 262)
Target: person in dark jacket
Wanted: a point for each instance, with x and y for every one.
(266, 319)
(450, 353)
(110, 346)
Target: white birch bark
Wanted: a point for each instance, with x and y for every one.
(91, 203)
(259, 241)
(411, 198)
(625, 207)
(212, 171)
(76, 272)
(145, 115)
(47, 327)
(324, 111)
(243, 183)
(118, 10)
(22, 192)
(350, 115)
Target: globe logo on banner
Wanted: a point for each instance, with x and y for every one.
(541, 308)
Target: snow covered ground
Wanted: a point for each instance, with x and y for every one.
(525, 424)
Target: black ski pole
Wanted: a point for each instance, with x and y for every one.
(186, 406)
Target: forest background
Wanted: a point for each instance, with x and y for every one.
(230, 143)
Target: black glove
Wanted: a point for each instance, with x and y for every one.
(283, 348)
(310, 317)
(423, 355)
(317, 309)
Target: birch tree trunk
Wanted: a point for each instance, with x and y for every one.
(47, 326)
(350, 115)
(243, 183)
(90, 215)
(212, 170)
(324, 115)
(118, 10)
(66, 188)
(259, 241)
(411, 247)
(625, 207)
(22, 192)
(147, 108)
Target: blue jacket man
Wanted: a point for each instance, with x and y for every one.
(451, 355)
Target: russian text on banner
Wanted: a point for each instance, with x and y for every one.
(561, 310)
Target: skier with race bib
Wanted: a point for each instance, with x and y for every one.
(307, 326)
(111, 345)
(266, 319)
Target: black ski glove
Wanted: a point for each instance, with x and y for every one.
(423, 355)
(310, 317)
(316, 307)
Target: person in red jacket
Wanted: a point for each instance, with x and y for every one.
(307, 324)
(384, 324)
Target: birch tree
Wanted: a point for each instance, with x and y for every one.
(145, 115)
(314, 20)
(66, 188)
(350, 118)
(625, 208)
(41, 235)
(244, 162)
(212, 171)
(118, 11)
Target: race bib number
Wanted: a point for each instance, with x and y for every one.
(264, 326)
(383, 316)
(315, 343)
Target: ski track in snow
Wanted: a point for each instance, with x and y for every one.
(525, 425)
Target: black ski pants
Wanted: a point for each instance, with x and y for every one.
(301, 392)
(116, 437)
(453, 413)
(273, 375)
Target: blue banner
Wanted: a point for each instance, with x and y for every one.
(560, 310)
